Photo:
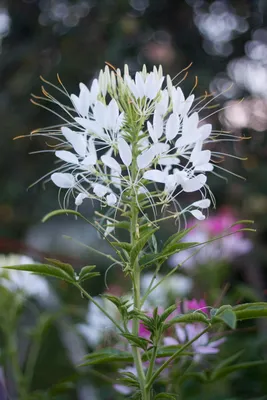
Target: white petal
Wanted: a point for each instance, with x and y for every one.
(140, 85)
(152, 132)
(203, 157)
(100, 190)
(100, 113)
(125, 152)
(94, 91)
(177, 99)
(89, 160)
(170, 183)
(162, 105)
(111, 199)
(204, 167)
(80, 198)
(160, 148)
(188, 103)
(112, 114)
(115, 179)
(155, 175)
(204, 131)
(145, 158)
(194, 184)
(131, 85)
(190, 124)
(77, 140)
(158, 124)
(168, 160)
(205, 203)
(67, 156)
(64, 181)
(172, 126)
(109, 228)
(84, 100)
(111, 163)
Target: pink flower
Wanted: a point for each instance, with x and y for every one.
(225, 248)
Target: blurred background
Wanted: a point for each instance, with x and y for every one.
(226, 42)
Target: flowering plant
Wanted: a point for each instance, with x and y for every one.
(136, 147)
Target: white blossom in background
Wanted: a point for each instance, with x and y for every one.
(176, 286)
(22, 282)
(124, 137)
(97, 326)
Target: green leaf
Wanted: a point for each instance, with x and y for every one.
(86, 273)
(136, 341)
(195, 316)
(176, 237)
(122, 224)
(167, 312)
(140, 244)
(228, 317)
(61, 212)
(65, 267)
(107, 355)
(123, 245)
(148, 259)
(175, 247)
(129, 379)
(225, 363)
(251, 313)
(228, 370)
(162, 396)
(43, 269)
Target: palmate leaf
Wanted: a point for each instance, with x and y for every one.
(86, 273)
(176, 237)
(65, 267)
(44, 269)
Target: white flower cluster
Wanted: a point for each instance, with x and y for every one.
(123, 134)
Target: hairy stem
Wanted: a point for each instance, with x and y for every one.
(136, 275)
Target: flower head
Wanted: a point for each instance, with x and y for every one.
(125, 138)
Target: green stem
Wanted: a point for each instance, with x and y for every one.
(89, 297)
(19, 379)
(137, 306)
(32, 358)
(136, 274)
(152, 363)
(165, 365)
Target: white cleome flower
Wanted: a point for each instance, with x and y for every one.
(127, 137)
